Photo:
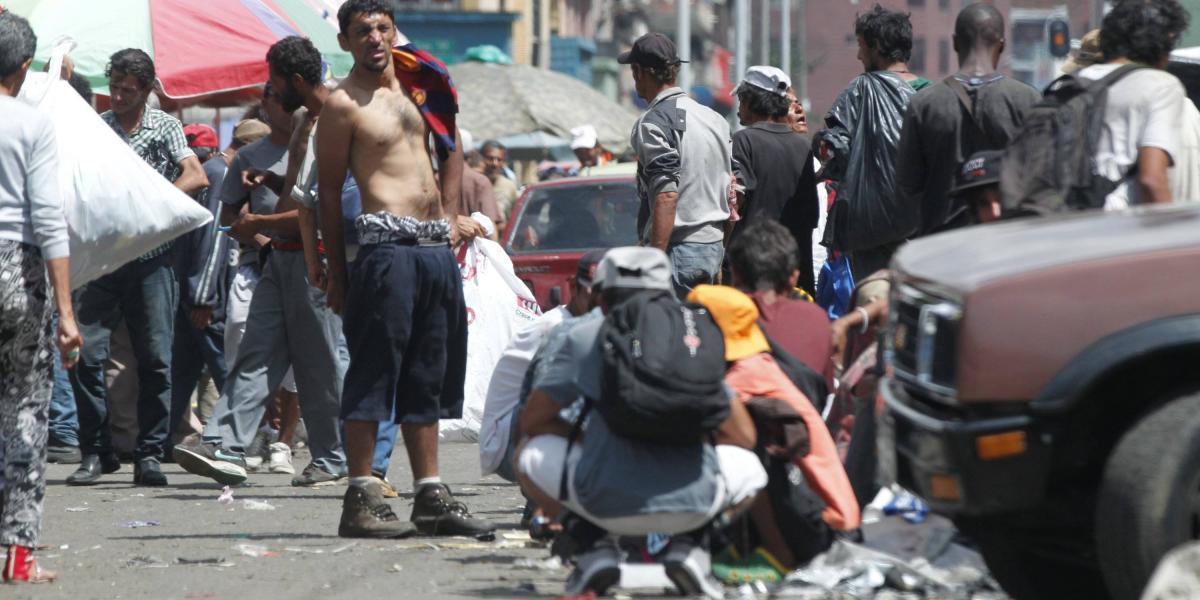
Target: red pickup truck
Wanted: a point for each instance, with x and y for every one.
(554, 223)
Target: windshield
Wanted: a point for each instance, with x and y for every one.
(577, 218)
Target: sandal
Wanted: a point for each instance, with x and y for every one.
(20, 567)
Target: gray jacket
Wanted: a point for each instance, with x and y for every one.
(684, 147)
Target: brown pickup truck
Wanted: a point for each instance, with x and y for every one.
(1043, 390)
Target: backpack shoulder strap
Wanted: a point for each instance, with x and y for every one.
(964, 96)
(576, 429)
(1119, 73)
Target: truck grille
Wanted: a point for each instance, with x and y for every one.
(922, 342)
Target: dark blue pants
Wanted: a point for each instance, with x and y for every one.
(145, 295)
(193, 350)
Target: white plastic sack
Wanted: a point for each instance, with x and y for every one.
(497, 302)
(117, 207)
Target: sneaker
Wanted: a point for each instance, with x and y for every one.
(314, 476)
(212, 461)
(596, 569)
(688, 565)
(365, 514)
(260, 445)
(63, 454)
(281, 459)
(759, 566)
(435, 512)
(254, 464)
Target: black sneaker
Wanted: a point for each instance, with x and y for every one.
(148, 472)
(596, 569)
(435, 512)
(212, 461)
(365, 514)
(63, 454)
(313, 476)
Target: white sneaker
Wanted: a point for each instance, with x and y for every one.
(253, 464)
(281, 459)
(596, 569)
(689, 567)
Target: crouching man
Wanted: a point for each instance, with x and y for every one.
(619, 483)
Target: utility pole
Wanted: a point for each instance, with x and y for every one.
(785, 37)
(683, 41)
(741, 36)
(801, 85)
(764, 32)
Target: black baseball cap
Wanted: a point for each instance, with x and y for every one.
(585, 271)
(651, 50)
(981, 169)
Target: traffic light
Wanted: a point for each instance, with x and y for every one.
(1060, 38)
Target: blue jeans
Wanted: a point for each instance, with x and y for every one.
(64, 423)
(693, 264)
(194, 349)
(145, 295)
(385, 443)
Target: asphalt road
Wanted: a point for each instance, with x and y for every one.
(114, 540)
(98, 553)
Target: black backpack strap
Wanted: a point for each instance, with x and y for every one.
(1119, 73)
(966, 99)
(576, 429)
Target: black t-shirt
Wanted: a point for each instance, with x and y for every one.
(774, 164)
(933, 143)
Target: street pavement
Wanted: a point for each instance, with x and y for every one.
(114, 540)
(202, 549)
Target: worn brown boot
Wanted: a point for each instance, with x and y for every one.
(366, 514)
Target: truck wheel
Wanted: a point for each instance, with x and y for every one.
(1032, 563)
(1149, 500)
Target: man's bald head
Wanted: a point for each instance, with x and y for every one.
(978, 25)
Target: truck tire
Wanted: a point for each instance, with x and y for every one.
(1031, 559)
(1149, 499)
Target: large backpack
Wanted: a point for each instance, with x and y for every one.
(1050, 166)
(664, 371)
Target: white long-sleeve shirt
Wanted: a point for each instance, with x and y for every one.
(31, 208)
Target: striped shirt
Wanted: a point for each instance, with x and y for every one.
(159, 140)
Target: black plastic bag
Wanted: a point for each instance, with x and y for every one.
(862, 135)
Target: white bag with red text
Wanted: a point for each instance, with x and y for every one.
(117, 208)
(497, 303)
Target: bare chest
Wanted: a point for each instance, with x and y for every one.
(390, 117)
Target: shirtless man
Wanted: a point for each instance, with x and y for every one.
(404, 316)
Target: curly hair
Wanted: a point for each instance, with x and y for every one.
(132, 62)
(887, 31)
(764, 256)
(761, 102)
(17, 42)
(368, 7)
(294, 55)
(1143, 31)
(664, 75)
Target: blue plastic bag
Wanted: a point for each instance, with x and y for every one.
(835, 286)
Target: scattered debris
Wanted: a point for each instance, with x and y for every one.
(249, 504)
(204, 562)
(138, 524)
(553, 563)
(304, 550)
(487, 536)
(226, 496)
(142, 561)
(78, 508)
(395, 568)
(343, 548)
(254, 551)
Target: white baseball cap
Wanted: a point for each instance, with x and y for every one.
(584, 136)
(771, 79)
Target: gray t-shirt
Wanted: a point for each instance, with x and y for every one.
(616, 476)
(259, 155)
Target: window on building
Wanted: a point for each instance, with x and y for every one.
(943, 56)
(916, 64)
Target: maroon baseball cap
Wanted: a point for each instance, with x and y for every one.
(200, 136)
